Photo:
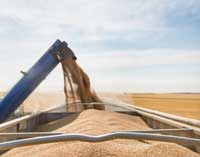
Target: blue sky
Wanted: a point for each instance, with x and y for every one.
(124, 45)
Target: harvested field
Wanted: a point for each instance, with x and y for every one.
(2, 94)
(96, 122)
(187, 105)
(40, 101)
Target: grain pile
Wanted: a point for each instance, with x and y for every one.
(96, 122)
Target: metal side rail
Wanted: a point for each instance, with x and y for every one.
(23, 135)
(189, 121)
(100, 138)
(159, 131)
(27, 134)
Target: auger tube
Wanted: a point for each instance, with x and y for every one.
(31, 79)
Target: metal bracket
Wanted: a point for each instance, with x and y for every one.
(23, 72)
(63, 51)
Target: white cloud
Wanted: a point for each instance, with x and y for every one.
(138, 58)
(35, 24)
(157, 86)
(96, 20)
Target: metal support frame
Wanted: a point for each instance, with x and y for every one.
(37, 134)
(100, 138)
(160, 131)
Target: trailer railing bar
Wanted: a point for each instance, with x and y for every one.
(162, 131)
(27, 134)
(100, 138)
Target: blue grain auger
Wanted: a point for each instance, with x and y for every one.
(31, 79)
